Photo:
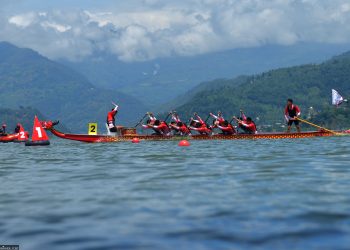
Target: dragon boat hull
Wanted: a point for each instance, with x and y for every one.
(129, 137)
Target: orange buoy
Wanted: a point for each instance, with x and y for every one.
(135, 140)
(184, 143)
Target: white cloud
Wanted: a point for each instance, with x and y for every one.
(166, 28)
(24, 20)
(55, 26)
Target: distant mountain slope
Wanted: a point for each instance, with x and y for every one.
(29, 79)
(265, 95)
(23, 115)
(159, 81)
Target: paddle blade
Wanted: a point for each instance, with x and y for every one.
(39, 133)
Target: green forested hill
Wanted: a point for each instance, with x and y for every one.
(29, 79)
(22, 115)
(264, 95)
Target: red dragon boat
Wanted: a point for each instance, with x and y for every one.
(128, 134)
(9, 138)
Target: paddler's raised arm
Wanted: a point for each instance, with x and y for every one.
(199, 118)
(115, 106)
(243, 116)
(236, 119)
(214, 116)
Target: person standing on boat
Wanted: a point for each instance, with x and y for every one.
(291, 113)
(111, 119)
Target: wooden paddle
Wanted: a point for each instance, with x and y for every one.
(140, 121)
(316, 126)
(170, 113)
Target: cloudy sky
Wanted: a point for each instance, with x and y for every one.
(139, 30)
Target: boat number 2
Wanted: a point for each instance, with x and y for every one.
(38, 129)
(93, 129)
(21, 135)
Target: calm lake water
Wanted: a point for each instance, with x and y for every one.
(284, 194)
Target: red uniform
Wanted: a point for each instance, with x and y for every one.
(249, 128)
(219, 118)
(184, 130)
(202, 129)
(176, 118)
(162, 128)
(111, 117)
(181, 127)
(291, 113)
(227, 130)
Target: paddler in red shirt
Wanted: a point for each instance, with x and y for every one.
(226, 127)
(199, 125)
(3, 130)
(178, 126)
(111, 119)
(218, 117)
(291, 113)
(247, 125)
(175, 117)
(160, 127)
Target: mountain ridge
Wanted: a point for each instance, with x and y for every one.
(29, 79)
(263, 96)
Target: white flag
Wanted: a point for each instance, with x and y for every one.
(337, 99)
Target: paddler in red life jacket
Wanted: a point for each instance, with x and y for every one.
(218, 117)
(175, 117)
(226, 127)
(3, 130)
(291, 113)
(17, 128)
(199, 125)
(160, 127)
(150, 122)
(247, 125)
(151, 117)
(111, 119)
(178, 126)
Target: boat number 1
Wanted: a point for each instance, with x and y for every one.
(38, 129)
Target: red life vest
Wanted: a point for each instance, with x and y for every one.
(184, 130)
(111, 116)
